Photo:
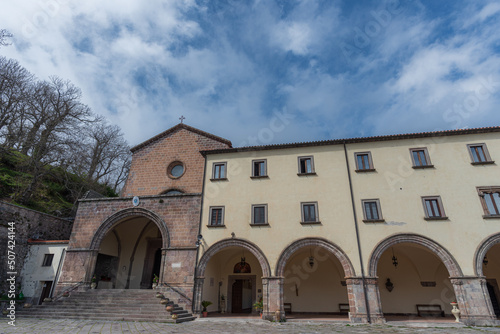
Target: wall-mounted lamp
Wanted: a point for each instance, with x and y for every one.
(394, 259)
(485, 261)
(389, 285)
(311, 259)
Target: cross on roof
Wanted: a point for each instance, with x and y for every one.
(182, 118)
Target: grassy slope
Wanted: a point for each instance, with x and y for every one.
(52, 195)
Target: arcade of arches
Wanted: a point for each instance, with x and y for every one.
(405, 271)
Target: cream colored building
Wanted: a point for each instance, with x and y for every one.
(41, 269)
(369, 227)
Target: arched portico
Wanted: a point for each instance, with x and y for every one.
(486, 266)
(123, 215)
(448, 260)
(468, 290)
(232, 247)
(317, 244)
(481, 251)
(143, 248)
(331, 274)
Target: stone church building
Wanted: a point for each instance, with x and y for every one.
(364, 228)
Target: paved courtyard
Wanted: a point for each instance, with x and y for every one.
(56, 326)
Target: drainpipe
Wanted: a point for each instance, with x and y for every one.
(363, 279)
(195, 292)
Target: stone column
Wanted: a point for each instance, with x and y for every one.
(473, 301)
(356, 295)
(272, 297)
(198, 294)
(374, 303)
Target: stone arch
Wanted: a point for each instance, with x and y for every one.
(481, 251)
(119, 216)
(448, 260)
(315, 242)
(233, 242)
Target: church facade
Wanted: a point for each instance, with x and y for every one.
(364, 227)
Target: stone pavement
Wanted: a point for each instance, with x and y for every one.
(212, 326)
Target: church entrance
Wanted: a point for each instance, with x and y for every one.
(241, 294)
(129, 255)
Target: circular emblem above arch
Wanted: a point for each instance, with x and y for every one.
(218, 246)
(448, 260)
(117, 217)
(481, 251)
(318, 243)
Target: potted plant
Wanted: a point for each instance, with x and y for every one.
(258, 306)
(155, 281)
(93, 282)
(205, 304)
(222, 304)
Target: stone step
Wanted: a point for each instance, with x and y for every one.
(107, 317)
(130, 305)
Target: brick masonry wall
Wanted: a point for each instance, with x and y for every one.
(178, 215)
(148, 172)
(29, 224)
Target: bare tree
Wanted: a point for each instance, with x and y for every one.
(4, 36)
(47, 122)
(54, 112)
(103, 154)
(15, 82)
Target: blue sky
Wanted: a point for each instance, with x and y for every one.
(261, 72)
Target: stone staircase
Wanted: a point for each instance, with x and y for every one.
(111, 304)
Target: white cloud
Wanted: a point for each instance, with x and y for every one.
(229, 67)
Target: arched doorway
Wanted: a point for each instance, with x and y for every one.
(488, 265)
(315, 272)
(229, 275)
(413, 277)
(128, 247)
(410, 275)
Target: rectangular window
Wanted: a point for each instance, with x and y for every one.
(479, 154)
(259, 214)
(490, 200)
(219, 171)
(47, 260)
(420, 157)
(364, 162)
(259, 168)
(216, 216)
(310, 212)
(433, 207)
(306, 165)
(371, 210)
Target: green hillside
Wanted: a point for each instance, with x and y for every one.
(57, 191)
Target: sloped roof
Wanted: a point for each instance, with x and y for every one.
(356, 140)
(176, 128)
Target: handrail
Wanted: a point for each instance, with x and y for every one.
(177, 291)
(68, 290)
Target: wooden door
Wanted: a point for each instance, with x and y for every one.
(237, 296)
(47, 285)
